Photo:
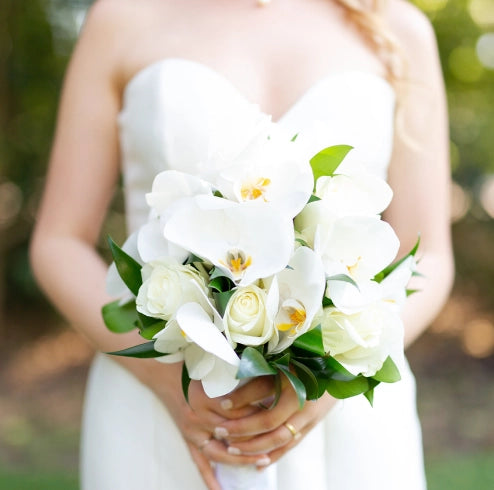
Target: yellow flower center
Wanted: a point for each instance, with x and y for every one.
(237, 261)
(254, 190)
(297, 319)
(352, 268)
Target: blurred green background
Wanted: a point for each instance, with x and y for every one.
(43, 364)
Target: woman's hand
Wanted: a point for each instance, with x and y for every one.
(197, 419)
(270, 432)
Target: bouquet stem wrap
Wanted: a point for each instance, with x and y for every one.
(246, 477)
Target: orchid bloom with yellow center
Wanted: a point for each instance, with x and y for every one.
(352, 269)
(273, 171)
(237, 262)
(296, 316)
(301, 286)
(247, 241)
(254, 190)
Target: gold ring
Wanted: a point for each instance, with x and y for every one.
(292, 430)
(204, 443)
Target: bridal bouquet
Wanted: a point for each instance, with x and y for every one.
(270, 262)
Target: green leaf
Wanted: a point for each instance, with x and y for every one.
(308, 378)
(216, 272)
(294, 137)
(343, 278)
(302, 242)
(284, 360)
(346, 389)
(193, 258)
(370, 396)
(388, 373)
(336, 370)
(388, 270)
(311, 341)
(146, 321)
(313, 198)
(128, 269)
(150, 331)
(277, 393)
(326, 302)
(409, 292)
(185, 382)
(252, 363)
(142, 351)
(327, 161)
(415, 247)
(219, 282)
(120, 318)
(297, 385)
(221, 300)
(217, 193)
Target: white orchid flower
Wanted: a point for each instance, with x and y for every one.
(171, 185)
(152, 244)
(193, 337)
(361, 342)
(247, 242)
(352, 298)
(301, 287)
(393, 287)
(363, 194)
(359, 247)
(272, 170)
(392, 290)
(341, 196)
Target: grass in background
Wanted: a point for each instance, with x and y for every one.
(461, 472)
(455, 472)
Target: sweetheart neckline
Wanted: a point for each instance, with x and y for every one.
(320, 81)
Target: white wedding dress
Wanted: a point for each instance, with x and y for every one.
(172, 110)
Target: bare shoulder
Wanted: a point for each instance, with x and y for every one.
(416, 36)
(131, 33)
(116, 18)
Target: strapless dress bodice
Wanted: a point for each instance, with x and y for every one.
(175, 109)
(181, 115)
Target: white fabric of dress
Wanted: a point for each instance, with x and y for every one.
(171, 111)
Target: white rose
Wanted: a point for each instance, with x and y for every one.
(249, 315)
(361, 342)
(166, 286)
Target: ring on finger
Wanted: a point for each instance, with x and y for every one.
(204, 443)
(294, 432)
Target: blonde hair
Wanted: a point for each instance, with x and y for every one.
(368, 17)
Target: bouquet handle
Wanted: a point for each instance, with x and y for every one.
(247, 477)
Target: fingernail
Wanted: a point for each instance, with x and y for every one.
(220, 433)
(226, 404)
(235, 451)
(263, 461)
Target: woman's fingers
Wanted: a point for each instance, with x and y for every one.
(251, 394)
(217, 451)
(204, 467)
(262, 421)
(286, 435)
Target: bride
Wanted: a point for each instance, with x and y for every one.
(148, 83)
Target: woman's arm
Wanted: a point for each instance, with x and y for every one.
(83, 171)
(419, 176)
(419, 173)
